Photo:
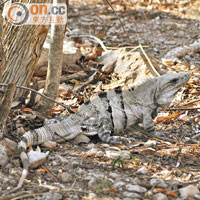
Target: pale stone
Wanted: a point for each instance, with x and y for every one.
(160, 196)
(188, 191)
(135, 188)
(142, 170)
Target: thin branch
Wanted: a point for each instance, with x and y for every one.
(179, 108)
(20, 195)
(95, 38)
(49, 98)
(108, 2)
(148, 60)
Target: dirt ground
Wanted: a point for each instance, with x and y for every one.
(148, 168)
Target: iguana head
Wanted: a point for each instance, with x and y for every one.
(167, 87)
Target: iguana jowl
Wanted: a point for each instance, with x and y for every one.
(109, 112)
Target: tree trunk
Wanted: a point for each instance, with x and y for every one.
(22, 45)
(44, 106)
(2, 59)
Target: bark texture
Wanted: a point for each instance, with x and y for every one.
(54, 69)
(2, 59)
(6, 105)
(22, 45)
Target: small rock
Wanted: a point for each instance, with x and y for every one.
(189, 190)
(93, 183)
(4, 179)
(135, 188)
(136, 181)
(142, 170)
(150, 143)
(113, 175)
(118, 184)
(54, 163)
(3, 156)
(90, 146)
(92, 195)
(92, 151)
(115, 154)
(10, 146)
(80, 171)
(158, 182)
(20, 131)
(52, 195)
(50, 144)
(105, 145)
(99, 154)
(125, 155)
(81, 139)
(9, 166)
(165, 172)
(131, 195)
(61, 159)
(170, 42)
(75, 164)
(66, 177)
(160, 196)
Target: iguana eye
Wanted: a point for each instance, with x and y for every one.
(175, 80)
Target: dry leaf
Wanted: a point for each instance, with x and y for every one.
(160, 190)
(168, 118)
(171, 194)
(41, 171)
(26, 109)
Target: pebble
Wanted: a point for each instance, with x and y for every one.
(142, 170)
(136, 181)
(150, 143)
(61, 159)
(50, 144)
(131, 195)
(10, 146)
(54, 163)
(52, 195)
(93, 183)
(160, 196)
(189, 190)
(90, 146)
(92, 195)
(113, 175)
(119, 184)
(92, 151)
(158, 182)
(66, 177)
(135, 188)
(115, 154)
(81, 139)
(99, 154)
(170, 42)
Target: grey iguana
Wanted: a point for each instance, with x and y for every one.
(109, 112)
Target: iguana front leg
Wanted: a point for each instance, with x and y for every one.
(147, 123)
(105, 130)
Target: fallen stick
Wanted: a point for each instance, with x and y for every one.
(49, 98)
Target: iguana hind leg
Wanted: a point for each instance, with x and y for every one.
(105, 131)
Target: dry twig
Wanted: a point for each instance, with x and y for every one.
(49, 98)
